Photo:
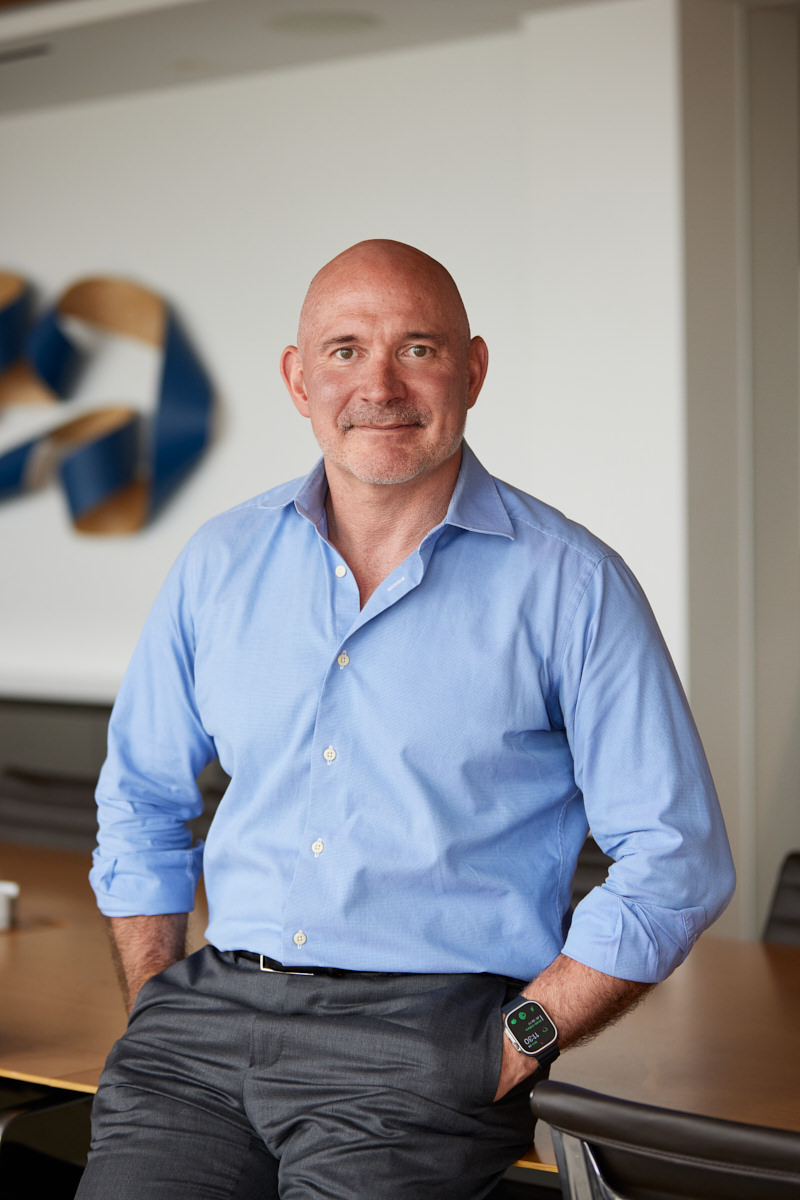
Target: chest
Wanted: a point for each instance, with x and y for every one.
(453, 658)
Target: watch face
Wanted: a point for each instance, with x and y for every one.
(531, 1027)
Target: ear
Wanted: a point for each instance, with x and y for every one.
(292, 375)
(477, 366)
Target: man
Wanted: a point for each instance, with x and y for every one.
(425, 686)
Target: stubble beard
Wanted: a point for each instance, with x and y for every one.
(402, 467)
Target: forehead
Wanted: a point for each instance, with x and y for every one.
(394, 296)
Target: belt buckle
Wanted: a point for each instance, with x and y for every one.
(272, 971)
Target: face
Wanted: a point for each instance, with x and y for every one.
(385, 368)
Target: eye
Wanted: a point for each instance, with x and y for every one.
(345, 353)
(419, 351)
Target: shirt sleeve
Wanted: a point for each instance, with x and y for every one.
(145, 862)
(648, 793)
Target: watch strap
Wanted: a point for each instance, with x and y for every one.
(545, 1057)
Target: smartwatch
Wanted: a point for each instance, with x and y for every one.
(531, 1030)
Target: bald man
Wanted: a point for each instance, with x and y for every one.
(425, 686)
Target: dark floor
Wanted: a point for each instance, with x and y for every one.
(27, 1174)
(511, 1190)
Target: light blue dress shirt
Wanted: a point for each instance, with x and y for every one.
(411, 782)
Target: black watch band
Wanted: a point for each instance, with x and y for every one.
(531, 1030)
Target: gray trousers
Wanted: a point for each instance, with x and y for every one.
(239, 1084)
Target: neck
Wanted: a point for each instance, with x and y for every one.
(376, 526)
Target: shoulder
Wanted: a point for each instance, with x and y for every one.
(248, 517)
(545, 529)
(231, 544)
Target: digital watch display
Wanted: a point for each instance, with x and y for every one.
(531, 1030)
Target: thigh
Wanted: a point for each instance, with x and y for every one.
(148, 1145)
(385, 1087)
(398, 1147)
(168, 1120)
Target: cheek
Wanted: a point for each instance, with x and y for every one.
(324, 398)
(452, 413)
(324, 414)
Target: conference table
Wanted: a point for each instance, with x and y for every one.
(721, 1036)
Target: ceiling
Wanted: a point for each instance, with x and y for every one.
(62, 51)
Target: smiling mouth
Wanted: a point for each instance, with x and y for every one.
(394, 428)
(389, 419)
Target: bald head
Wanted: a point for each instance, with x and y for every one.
(395, 264)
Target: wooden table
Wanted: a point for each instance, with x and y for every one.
(60, 1005)
(721, 1036)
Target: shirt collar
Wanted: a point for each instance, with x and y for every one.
(475, 504)
(309, 496)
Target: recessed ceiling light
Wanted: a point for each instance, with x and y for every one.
(314, 21)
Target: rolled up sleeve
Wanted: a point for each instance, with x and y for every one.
(145, 862)
(648, 792)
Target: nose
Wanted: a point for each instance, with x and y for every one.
(381, 381)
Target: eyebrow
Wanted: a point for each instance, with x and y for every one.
(437, 338)
(412, 335)
(343, 339)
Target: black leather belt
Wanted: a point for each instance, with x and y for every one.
(271, 965)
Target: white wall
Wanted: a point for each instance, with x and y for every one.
(541, 167)
(604, 234)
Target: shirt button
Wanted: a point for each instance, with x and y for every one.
(341, 571)
(317, 846)
(329, 755)
(343, 659)
(299, 938)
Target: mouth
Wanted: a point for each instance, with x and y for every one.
(396, 426)
(395, 419)
(387, 428)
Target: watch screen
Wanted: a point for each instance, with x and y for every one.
(532, 1028)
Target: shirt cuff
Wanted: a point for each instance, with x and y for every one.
(131, 886)
(630, 939)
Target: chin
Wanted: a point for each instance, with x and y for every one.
(387, 478)
(399, 467)
(391, 470)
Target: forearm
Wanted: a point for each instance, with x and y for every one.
(143, 946)
(581, 1002)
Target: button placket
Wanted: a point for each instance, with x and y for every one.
(316, 846)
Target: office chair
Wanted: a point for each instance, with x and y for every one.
(610, 1149)
(783, 922)
(44, 1139)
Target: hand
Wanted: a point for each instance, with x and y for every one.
(514, 1068)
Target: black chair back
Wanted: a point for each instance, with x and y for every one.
(611, 1149)
(783, 922)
